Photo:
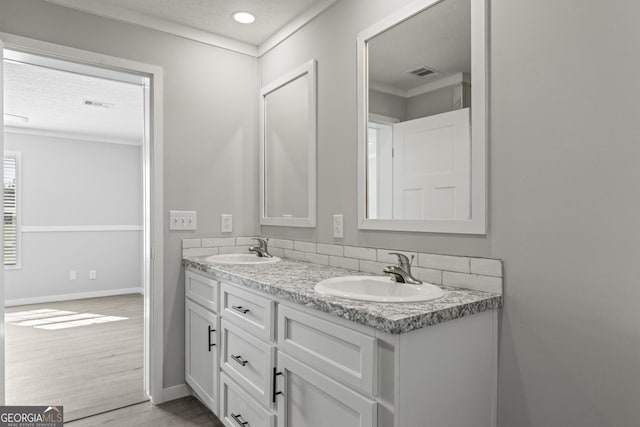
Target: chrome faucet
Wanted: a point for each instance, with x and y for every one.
(401, 272)
(261, 249)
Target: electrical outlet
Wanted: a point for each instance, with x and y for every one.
(182, 220)
(226, 223)
(93, 274)
(73, 275)
(338, 226)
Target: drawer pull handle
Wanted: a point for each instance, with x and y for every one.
(274, 393)
(239, 359)
(209, 337)
(240, 309)
(239, 420)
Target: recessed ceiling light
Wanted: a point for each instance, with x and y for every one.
(15, 118)
(244, 17)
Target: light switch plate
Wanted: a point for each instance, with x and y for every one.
(338, 226)
(226, 223)
(182, 220)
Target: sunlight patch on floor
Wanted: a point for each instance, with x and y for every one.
(51, 320)
(34, 314)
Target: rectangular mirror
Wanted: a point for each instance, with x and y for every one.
(422, 119)
(288, 149)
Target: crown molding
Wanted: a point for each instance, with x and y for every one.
(293, 26)
(71, 135)
(450, 80)
(180, 30)
(191, 33)
(388, 89)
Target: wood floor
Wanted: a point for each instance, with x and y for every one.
(87, 369)
(185, 412)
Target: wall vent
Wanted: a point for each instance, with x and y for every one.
(424, 72)
(98, 103)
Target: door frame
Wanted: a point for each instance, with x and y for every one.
(153, 199)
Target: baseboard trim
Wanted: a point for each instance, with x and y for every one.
(68, 297)
(175, 392)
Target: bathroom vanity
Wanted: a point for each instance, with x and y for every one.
(262, 348)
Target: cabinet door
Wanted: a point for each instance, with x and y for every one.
(311, 399)
(201, 352)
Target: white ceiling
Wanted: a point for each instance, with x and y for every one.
(53, 100)
(438, 38)
(211, 16)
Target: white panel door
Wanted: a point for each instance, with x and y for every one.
(431, 167)
(201, 352)
(310, 399)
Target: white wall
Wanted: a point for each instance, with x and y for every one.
(70, 183)
(564, 203)
(210, 131)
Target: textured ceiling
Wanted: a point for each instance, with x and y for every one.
(438, 37)
(213, 16)
(53, 100)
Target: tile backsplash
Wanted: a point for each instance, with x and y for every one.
(481, 274)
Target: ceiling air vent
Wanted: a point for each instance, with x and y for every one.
(424, 72)
(98, 103)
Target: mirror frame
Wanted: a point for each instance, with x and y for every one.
(477, 224)
(310, 69)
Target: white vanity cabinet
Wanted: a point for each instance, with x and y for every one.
(312, 399)
(201, 338)
(283, 364)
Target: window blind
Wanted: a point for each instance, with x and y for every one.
(10, 210)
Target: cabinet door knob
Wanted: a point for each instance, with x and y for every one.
(238, 418)
(240, 309)
(239, 359)
(209, 337)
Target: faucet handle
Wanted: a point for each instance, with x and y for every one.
(403, 260)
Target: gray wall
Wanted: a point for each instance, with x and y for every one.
(66, 182)
(388, 105)
(210, 131)
(565, 209)
(435, 102)
(564, 202)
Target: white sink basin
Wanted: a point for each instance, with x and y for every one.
(241, 259)
(379, 289)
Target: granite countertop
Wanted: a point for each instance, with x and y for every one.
(294, 281)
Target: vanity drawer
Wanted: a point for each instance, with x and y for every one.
(248, 360)
(237, 407)
(202, 290)
(341, 353)
(251, 312)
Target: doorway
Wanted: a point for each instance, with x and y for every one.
(147, 227)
